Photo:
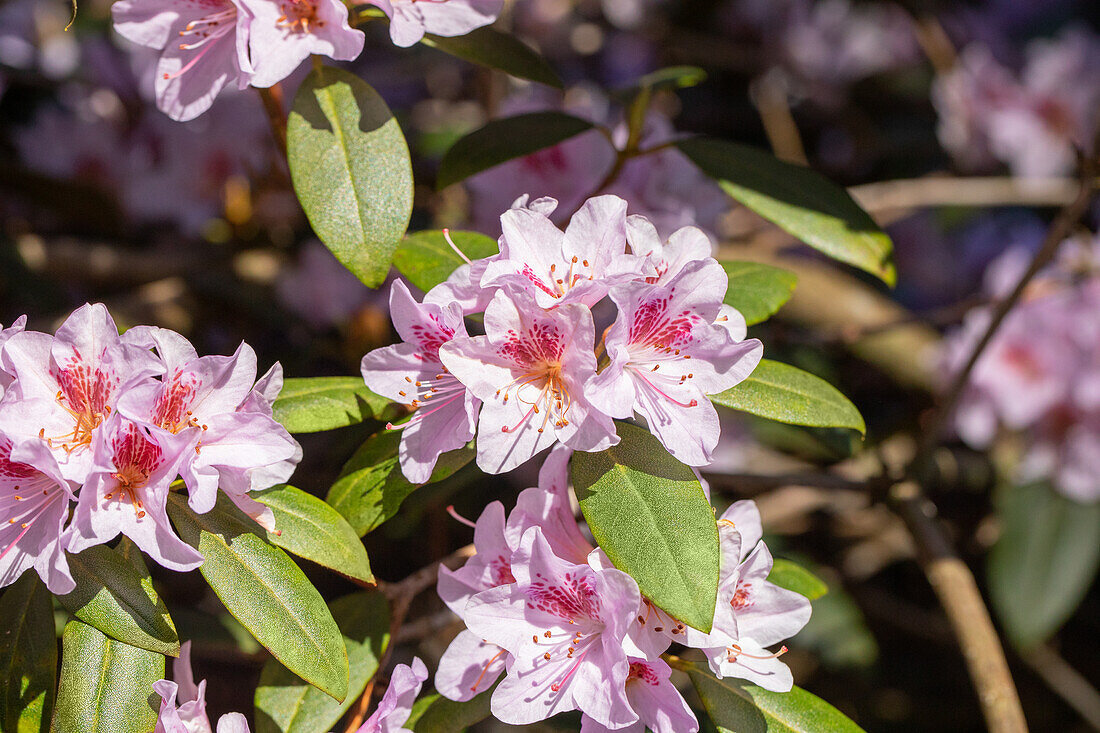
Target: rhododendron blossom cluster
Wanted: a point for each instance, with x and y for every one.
(1040, 376)
(207, 44)
(109, 422)
(534, 379)
(571, 632)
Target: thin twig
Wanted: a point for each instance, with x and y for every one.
(1060, 229)
(958, 593)
(939, 190)
(273, 104)
(401, 595)
(1065, 681)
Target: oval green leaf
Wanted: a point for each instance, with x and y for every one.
(798, 200)
(371, 487)
(28, 656)
(351, 170)
(787, 394)
(286, 704)
(310, 528)
(792, 576)
(115, 595)
(649, 514)
(106, 686)
(756, 290)
(1048, 553)
(425, 258)
(739, 707)
(486, 46)
(314, 404)
(266, 592)
(505, 139)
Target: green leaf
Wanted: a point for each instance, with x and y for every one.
(798, 200)
(266, 592)
(106, 686)
(28, 656)
(784, 393)
(739, 707)
(1044, 561)
(314, 404)
(487, 46)
(371, 487)
(351, 170)
(649, 514)
(792, 576)
(425, 258)
(505, 139)
(286, 704)
(670, 77)
(310, 528)
(757, 291)
(436, 714)
(115, 594)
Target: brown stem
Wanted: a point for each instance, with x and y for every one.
(958, 593)
(401, 595)
(1065, 681)
(273, 104)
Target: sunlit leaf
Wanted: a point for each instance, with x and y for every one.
(351, 170)
(28, 656)
(649, 514)
(314, 404)
(425, 258)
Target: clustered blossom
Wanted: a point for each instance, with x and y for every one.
(109, 422)
(206, 45)
(570, 632)
(1033, 120)
(532, 380)
(1040, 375)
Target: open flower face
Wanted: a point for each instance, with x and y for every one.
(529, 370)
(564, 625)
(127, 491)
(283, 34)
(577, 266)
(412, 373)
(66, 386)
(667, 354)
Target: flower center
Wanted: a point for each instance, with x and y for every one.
(170, 410)
(642, 671)
(84, 395)
(561, 281)
(135, 460)
(299, 15)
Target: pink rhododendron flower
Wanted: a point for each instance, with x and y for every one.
(1032, 120)
(575, 267)
(205, 47)
(564, 626)
(530, 371)
(684, 246)
(199, 397)
(396, 705)
(127, 492)
(412, 373)
(34, 506)
(667, 354)
(660, 706)
(66, 386)
(183, 703)
(411, 19)
(283, 34)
